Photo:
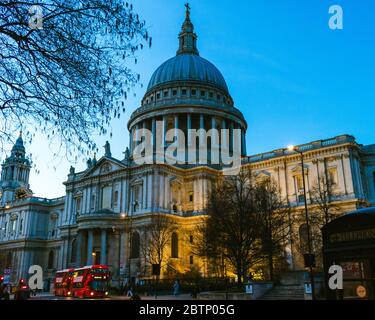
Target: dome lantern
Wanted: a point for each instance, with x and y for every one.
(187, 37)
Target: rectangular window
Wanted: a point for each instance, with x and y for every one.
(174, 93)
(299, 183)
(301, 199)
(194, 92)
(165, 94)
(203, 93)
(93, 200)
(332, 175)
(106, 198)
(158, 96)
(184, 92)
(115, 198)
(191, 197)
(191, 259)
(191, 239)
(78, 205)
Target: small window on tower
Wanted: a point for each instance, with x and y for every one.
(191, 259)
(211, 94)
(165, 94)
(174, 93)
(184, 92)
(218, 97)
(191, 197)
(194, 92)
(191, 239)
(203, 93)
(158, 96)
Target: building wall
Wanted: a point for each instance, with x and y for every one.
(107, 194)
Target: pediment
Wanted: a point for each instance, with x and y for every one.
(104, 166)
(263, 174)
(298, 168)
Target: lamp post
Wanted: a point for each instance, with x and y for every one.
(122, 216)
(293, 148)
(130, 216)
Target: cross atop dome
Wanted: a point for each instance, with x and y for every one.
(188, 39)
(187, 6)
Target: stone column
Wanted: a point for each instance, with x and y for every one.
(144, 192)
(176, 127)
(79, 249)
(243, 141)
(231, 136)
(103, 247)
(201, 136)
(166, 193)
(90, 240)
(149, 191)
(164, 130)
(224, 142)
(161, 191)
(188, 126)
(153, 129)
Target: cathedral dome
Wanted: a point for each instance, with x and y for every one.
(188, 67)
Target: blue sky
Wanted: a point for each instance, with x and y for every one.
(294, 79)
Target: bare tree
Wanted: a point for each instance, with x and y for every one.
(232, 223)
(63, 68)
(323, 196)
(274, 229)
(159, 233)
(323, 210)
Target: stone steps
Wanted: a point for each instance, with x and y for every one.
(285, 292)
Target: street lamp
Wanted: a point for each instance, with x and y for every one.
(122, 216)
(310, 260)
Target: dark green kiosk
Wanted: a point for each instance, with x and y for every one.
(349, 242)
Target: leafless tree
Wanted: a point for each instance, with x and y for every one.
(231, 231)
(323, 210)
(323, 197)
(64, 68)
(158, 238)
(274, 229)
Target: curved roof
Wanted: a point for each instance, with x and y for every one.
(188, 67)
(370, 210)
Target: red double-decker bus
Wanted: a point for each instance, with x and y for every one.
(63, 283)
(91, 282)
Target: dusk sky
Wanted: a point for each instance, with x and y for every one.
(294, 79)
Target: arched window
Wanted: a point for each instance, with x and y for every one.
(174, 245)
(73, 253)
(135, 245)
(9, 259)
(303, 238)
(51, 259)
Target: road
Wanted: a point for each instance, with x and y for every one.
(167, 298)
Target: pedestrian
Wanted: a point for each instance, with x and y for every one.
(176, 288)
(130, 292)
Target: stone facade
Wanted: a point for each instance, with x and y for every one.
(112, 200)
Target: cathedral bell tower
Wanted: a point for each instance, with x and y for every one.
(14, 183)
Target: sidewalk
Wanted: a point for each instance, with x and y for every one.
(163, 298)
